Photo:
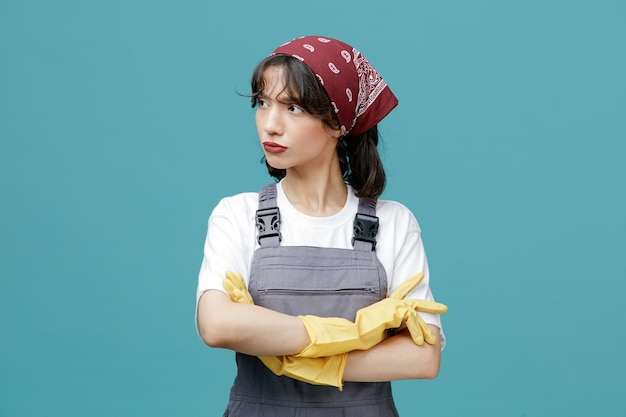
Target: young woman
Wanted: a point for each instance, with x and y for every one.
(314, 282)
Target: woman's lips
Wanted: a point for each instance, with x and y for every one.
(272, 147)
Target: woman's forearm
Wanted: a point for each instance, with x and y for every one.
(247, 328)
(393, 359)
(258, 331)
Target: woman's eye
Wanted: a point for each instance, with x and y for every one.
(295, 109)
(261, 103)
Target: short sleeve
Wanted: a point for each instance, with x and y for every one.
(229, 242)
(409, 258)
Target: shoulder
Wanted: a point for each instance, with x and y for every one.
(244, 204)
(396, 214)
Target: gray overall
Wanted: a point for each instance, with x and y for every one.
(327, 282)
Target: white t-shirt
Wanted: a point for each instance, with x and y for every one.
(231, 241)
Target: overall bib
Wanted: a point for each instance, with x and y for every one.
(301, 280)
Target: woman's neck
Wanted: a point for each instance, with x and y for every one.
(319, 195)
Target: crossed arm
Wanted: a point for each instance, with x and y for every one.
(258, 331)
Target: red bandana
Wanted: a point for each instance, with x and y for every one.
(358, 93)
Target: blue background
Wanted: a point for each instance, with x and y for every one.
(121, 128)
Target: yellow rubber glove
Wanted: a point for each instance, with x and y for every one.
(332, 335)
(236, 287)
(317, 371)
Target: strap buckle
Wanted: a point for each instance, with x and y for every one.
(268, 223)
(365, 228)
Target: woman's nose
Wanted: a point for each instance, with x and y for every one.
(272, 121)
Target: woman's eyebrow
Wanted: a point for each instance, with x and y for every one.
(287, 98)
(283, 97)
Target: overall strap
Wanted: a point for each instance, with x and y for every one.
(268, 217)
(365, 225)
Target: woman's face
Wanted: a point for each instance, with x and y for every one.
(291, 138)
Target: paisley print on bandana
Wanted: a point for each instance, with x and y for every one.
(371, 84)
(343, 70)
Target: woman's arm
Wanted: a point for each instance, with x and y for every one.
(248, 328)
(259, 331)
(395, 358)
